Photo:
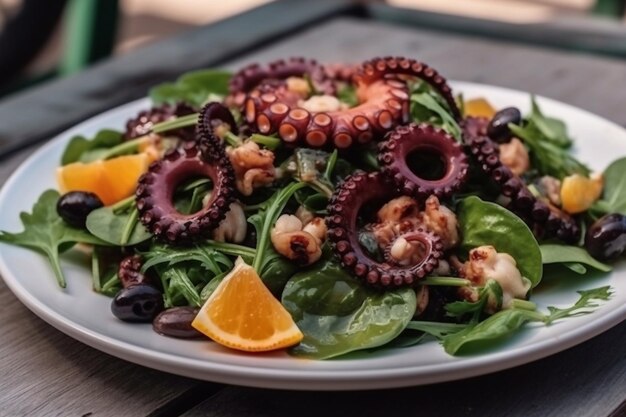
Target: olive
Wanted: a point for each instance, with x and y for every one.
(176, 322)
(498, 128)
(74, 207)
(138, 303)
(606, 238)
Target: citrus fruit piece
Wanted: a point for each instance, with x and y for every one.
(111, 180)
(243, 314)
(578, 193)
(479, 107)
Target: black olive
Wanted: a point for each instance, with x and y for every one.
(138, 303)
(176, 322)
(74, 207)
(498, 128)
(606, 238)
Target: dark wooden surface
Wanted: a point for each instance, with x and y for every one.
(45, 373)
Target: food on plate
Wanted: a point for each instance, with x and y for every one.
(331, 209)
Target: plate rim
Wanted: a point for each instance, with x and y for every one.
(294, 378)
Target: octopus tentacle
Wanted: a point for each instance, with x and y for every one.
(343, 209)
(210, 117)
(412, 138)
(207, 158)
(379, 68)
(545, 219)
(144, 121)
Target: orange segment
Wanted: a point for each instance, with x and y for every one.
(243, 314)
(479, 107)
(111, 180)
(578, 193)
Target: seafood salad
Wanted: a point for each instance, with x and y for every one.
(328, 209)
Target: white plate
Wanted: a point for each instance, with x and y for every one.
(84, 315)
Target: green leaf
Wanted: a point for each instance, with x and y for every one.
(208, 254)
(614, 200)
(490, 295)
(490, 331)
(426, 107)
(436, 329)
(194, 88)
(485, 223)
(46, 232)
(337, 314)
(582, 306)
(82, 149)
(553, 129)
(551, 254)
(113, 227)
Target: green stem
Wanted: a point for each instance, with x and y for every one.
(232, 249)
(129, 227)
(56, 267)
(110, 283)
(272, 215)
(95, 270)
(446, 281)
(195, 184)
(125, 148)
(269, 142)
(523, 305)
(232, 139)
(184, 121)
(418, 325)
(123, 205)
(330, 165)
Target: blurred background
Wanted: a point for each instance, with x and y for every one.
(43, 39)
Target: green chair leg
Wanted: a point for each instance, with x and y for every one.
(91, 27)
(611, 8)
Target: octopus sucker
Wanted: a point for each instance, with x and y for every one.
(354, 193)
(144, 121)
(411, 139)
(545, 219)
(270, 106)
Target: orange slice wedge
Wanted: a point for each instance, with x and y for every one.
(111, 180)
(243, 314)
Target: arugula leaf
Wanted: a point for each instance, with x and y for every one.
(489, 297)
(428, 106)
(46, 232)
(194, 88)
(549, 144)
(436, 329)
(586, 301)
(485, 223)
(614, 194)
(82, 149)
(572, 257)
(210, 254)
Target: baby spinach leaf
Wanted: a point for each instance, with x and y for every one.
(86, 150)
(337, 314)
(117, 228)
(46, 232)
(614, 195)
(485, 223)
(277, 271)
(555, 130)
(551, 253)
(194, 88)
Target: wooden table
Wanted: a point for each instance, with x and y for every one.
(45, 373)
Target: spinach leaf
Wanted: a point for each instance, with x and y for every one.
(120, 228)
(277, 271)
(614, 195)
(570, 256)
(484, 223)
(337, 314)
(46, 232)
(427, 106)
(194, 88)
(85, 150)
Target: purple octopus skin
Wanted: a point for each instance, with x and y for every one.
(411, 138)
(145, 120)
(383, 104)
(207, 158)
(343, 209)
(545, 220)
